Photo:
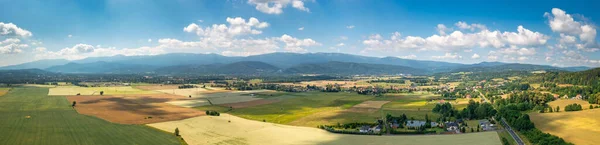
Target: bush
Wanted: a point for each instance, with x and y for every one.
(573, 107)
(212, 113)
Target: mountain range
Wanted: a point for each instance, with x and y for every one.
(285, 63)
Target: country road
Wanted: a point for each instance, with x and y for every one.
(506, 126)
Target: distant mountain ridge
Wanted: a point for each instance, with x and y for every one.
(281, 60)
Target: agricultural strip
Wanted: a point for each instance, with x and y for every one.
(133, 109)
(228, 129)
(29, 117)
(579, 127)
(74, 90)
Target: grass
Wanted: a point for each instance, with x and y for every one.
(298, 105)
(578, 127)
(564, 102)
(505, 134)
(29, 117)
(74, 90)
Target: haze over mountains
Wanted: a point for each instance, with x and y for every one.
(272, 63)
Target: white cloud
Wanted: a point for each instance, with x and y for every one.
(11, 30)
(301, 28)
(441, 28)
(411, 56)
(456, 40)
(448, 56)
(237, 27)
(350, 27)
(340, 44)
(295, 45)
(40, 49)
(276, 6)
(12, 46)
(472, 27)
(563, 23)
(567, 39)
(475, 56)
(69, 35)
(200, 21)
(80, 51)
(149, 40)
(492, 57)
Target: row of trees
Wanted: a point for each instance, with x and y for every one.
(573, 107)
(474, 110)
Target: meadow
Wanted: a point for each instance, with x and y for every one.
(578, 127)
(74, 90)
(4, 91)
(229, 129)
(29, 117)
(564, 102)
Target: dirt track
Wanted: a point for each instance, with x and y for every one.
(134, 109)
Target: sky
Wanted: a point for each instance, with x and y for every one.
(548, 32)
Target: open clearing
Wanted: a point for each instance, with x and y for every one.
(133, 109)
(74, 90)
(564, 102)
(578, 127)
(29, 117)
(217, 130)
(219, 98)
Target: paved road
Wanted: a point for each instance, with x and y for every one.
(512, 133)
(506, 126)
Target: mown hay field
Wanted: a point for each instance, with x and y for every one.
(228, 129)
(203, 99)
(29, 117)
(579, 127)
(564, 102)
(74, 90)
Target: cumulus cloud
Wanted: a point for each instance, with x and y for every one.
(69, 35)
(276, 6)
(11, 30)
(350, 27)
(149, 40)
(237, 27)
(340, 44)
(456, 40)
(12, 46)
(296, 45)
(568, 27)
(475, 56)
(441, 28)
(80, 51)
(472, 27)
(301, 28)
(448, 56)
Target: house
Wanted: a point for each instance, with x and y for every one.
(364, 129)
(418, 123)
(376, 128)
(486, 125)
(579, 97)
(452, 126)
(566, 96)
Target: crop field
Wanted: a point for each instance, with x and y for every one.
(228, 129)
(74, 90)
(133, 109)
(579, 127)
(29, 117)
(195, 92)
(370, 104)
(564, 102)
(156, 87)
(219, 98)
(415, 101)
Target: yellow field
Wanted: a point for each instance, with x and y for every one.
(217, 130)
(564, 102)
(73, 90)
(195, 92)
(579, 127)
(3, 91)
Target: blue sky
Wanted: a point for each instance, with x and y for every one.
(552, 32)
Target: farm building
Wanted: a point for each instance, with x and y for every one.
(418, 123)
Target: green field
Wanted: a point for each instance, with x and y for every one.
(29, 117)
(319, 108)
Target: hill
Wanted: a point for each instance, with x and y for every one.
(40, 64)
(240, 68)
(349, 68)
(101, 67)
(589, 77)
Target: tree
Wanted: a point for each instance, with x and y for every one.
(73, 104)
(557, 108)
(176, 131)
(591, 107)
(101, 93)
(472, 130)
